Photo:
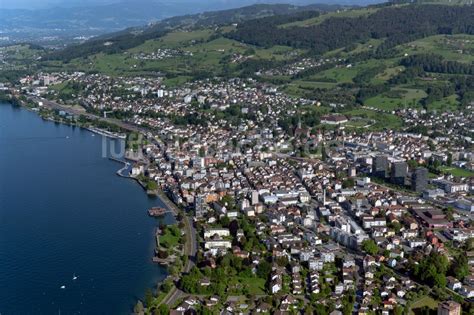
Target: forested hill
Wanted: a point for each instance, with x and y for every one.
(396, 24)
(120, 41)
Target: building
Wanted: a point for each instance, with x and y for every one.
(433, 218)
(433, 193)
(216, 245)
(419, 179)
(451, 187)
(380, 166)
(219, 232)
(449, 308)
(398, 173)
(200, 207)
(254, 197)
(464, 204)
(334, 119)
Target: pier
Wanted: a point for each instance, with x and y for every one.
(121, 171)
(158, 212)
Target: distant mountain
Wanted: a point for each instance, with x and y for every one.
(132, 37)
(88, 19)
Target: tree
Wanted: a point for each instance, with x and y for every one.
(224, 221)
(282, 261)
(449, 211)
(320, 309)
(202, 151)
(469, 244)
(148, 297)
(151, 185)
(264, 269)
(348, 183)
(324, 154)
(449, 161)
(432, 270)
(163, 309)
(370, 247)
(396, 226)
(166, 286)
(412, 164)
(460, 267)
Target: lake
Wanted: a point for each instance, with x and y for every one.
(65, 212)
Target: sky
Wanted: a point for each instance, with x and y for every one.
(41, 4)
(44, 4)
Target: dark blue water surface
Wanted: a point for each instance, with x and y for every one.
(64, 211)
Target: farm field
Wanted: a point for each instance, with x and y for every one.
(338, 14)
(452, 47)
(397, 98)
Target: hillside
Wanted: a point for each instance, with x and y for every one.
(135, 36)
(73, 21)
(382, 57)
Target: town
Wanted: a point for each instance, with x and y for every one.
(307, 215)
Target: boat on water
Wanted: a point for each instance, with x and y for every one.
(157, 211)
(74, 277)
(63, 287)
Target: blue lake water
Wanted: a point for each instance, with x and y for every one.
(64, 211)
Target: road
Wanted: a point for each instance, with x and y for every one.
(190, 250)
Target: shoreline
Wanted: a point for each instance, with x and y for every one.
(93, 128)
(160, 194)
(191, 245)
(152, 275)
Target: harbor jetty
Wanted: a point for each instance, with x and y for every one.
(125, 170)
(157, 212)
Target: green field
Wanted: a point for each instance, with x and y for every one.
(364, 46)
(19, 52)
(425, 301)
(176, 81)
(207, 56)
(338, 14)
(388, 73)
(457, 172)
(397, 98)
(382, 120)
(256, 286)
(221, 44)
(168, 239)
(306, 84)
(451, 47)
(178, 39)
(345, 74)
(449, 103)
(337, 75)
(277, 52)
(359, 122)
